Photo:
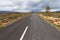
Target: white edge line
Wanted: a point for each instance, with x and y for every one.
(24, 33)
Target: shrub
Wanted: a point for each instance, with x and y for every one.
(1, 27)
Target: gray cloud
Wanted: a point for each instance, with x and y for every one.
(26, 5)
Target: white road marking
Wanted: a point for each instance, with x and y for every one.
(24, 33)
(31, 18)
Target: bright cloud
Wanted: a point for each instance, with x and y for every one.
(9, 8)
(28, 5)
(22, 5)
(6, 3)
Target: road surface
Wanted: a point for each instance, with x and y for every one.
(41, 30)
(15, 30)
(38, 29)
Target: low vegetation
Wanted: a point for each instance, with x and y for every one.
(52, 17)
(8, 18)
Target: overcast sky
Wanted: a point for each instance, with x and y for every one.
(29, 5)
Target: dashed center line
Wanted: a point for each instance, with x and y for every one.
(24, 33)
(31, 17)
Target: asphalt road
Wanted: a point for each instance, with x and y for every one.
(38, 29)
(15, 30)
(41, 30)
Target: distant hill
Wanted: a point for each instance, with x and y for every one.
(58, 11)
(4, 12)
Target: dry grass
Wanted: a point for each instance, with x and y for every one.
(7, 19)
(52, 17)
